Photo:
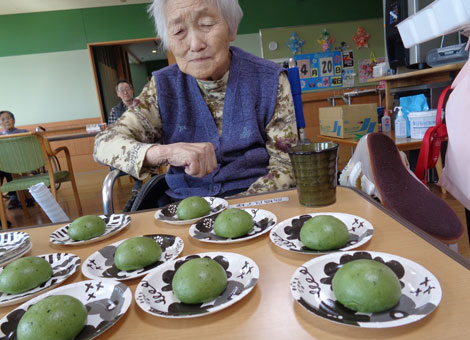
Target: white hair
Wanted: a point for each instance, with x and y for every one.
(229, 9)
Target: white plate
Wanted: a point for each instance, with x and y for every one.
(311, 288)
(168, 213)
(100, 264)
(13, 245)
(203, 230)
(114, 224)
(287, 233)
(155, 296)
(105, 300)
(63, 266)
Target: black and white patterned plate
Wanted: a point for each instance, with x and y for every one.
(100, 264)
(114, 224)
(311, 288)
(168, 214)
(63, 266)
(13, 245)
(286, 234)
(105, 300)
(154, 294)
(203, 230)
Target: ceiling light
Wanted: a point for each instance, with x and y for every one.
(154, 51)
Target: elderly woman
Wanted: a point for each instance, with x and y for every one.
(7, 123)
(220, 116)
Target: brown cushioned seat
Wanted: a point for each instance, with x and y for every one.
(403, 194)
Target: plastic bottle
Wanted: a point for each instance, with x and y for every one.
(386, 122)
(400, 124)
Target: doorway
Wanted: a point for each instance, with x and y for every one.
(131, 60)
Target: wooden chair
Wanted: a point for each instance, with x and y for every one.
(22, 153)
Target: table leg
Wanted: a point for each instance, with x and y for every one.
(388, 96)
(467, 218)
(3, 216)
(439, 172)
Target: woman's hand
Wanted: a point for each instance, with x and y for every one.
(198, 159)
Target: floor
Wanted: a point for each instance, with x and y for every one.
(90, 183)
(89, 189)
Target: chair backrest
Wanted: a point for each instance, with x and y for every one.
(296, 89)
(378, 169)
(151, 195)
(20, 153)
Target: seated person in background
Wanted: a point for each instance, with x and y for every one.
(7, 122)
(125, 92)
(221, 117)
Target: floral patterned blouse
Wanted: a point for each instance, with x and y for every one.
(124, 144)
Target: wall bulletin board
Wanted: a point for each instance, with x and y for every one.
(320, 70)
(334, 69)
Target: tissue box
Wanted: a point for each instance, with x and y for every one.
(348, 121)
(420, 121)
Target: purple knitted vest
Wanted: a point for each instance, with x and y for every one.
(249, 105)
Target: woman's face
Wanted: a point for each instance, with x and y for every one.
(6, 121)
(199, 38)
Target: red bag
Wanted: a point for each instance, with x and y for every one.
(431, 146)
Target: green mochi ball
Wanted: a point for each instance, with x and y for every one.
(192, 207)
(199, 280)
(137, 253)
(324, 232)
(86, 227)
(233, 223)
(24, 274)
(366, 286)
(57, 317)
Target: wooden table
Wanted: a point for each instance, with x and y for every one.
(269, 311)
(445, 73)
(80, 144)
(403, 144)
(55, 138)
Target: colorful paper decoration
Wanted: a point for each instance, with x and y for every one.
(366, 67)
(326, 41)
(361, 38)
(295, 44)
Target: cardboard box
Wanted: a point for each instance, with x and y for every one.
(348, 121)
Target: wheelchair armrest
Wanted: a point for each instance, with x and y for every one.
(107, 191)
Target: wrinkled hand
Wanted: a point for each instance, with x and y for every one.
(198, 159)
